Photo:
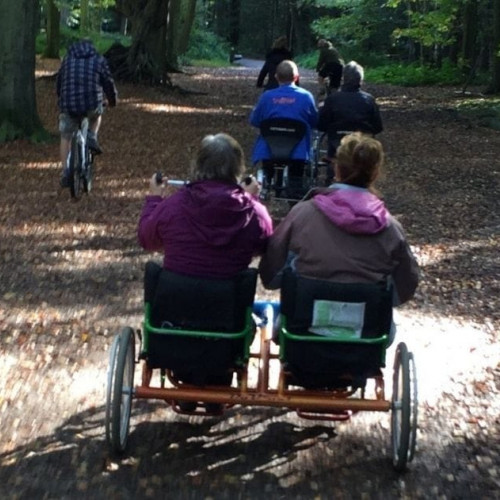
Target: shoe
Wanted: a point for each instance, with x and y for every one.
(187, 406)
(64, 181)
(215, 408)
(94, 145)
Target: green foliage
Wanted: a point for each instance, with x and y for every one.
(308, 60)
(368, 60)
(485, 111)
(101, 41)
(357, 27)
(205, 46)
(412, 75)
(435, 27)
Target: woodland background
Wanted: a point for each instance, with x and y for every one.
(71, 278)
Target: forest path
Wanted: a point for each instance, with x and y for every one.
(71, 277)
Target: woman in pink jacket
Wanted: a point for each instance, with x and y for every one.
(344, 233)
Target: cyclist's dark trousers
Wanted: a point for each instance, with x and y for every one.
(332, 71)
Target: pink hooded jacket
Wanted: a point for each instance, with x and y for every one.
(206, 229)
(344, 234)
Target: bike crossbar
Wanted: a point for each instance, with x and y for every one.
(304, 400)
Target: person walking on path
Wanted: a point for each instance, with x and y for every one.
(329, 67)
(279, 52)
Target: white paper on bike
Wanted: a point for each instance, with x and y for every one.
(333, 318)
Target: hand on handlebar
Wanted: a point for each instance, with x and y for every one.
(157, 184)
(251, 185)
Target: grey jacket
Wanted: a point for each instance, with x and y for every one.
(344, 235)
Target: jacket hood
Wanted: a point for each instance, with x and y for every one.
(355, 210)
(82, 49)
(217, 210)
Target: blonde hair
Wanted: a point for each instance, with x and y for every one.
(220, 157)
(359, 160)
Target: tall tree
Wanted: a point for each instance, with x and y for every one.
(495, 63)
(84, 17)
(181, 15)
(158, 29)
(469, 38)
(234, 22)
(18, 28)
(53, 30)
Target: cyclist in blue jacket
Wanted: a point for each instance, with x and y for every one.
(83, 80)
(287, 101)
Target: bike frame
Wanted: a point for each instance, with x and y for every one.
(80, 166)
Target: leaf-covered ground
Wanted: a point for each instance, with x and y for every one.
(71, 277)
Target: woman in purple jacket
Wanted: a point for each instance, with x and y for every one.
(210, 228)
(213, 226)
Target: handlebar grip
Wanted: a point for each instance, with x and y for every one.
(159, 178)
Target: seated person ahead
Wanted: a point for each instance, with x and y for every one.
(344, 233)
(212, 227)
(351, 109)
(287, 101)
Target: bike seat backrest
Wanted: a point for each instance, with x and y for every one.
(312, 360)
(282, 136)
(299, 293)
(201, 304)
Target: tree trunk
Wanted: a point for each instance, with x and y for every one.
(186, 22)
(171, 35)
(470, 20)
(53, 31)
(84, 17)
(494, 87)
(18, 113)
(146, 58)
(234, 23)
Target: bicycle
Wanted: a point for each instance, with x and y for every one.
(80, 166)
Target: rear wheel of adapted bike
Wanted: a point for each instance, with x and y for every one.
(75, 165)
(89, 170)
(120, 390)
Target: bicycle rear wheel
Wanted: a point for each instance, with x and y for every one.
(89, 170)
(75, 165)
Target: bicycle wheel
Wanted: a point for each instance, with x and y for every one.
(120, 390)
(75, 168)
(89, 170)
(403, 418)
(413, 407)
(320, 158)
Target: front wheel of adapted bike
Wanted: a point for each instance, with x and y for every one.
(75, 165)
(120, 390)
(404, 408)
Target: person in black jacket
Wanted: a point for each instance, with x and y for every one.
(278, 53)
(348, 110)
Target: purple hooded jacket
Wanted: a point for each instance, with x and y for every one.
(206, 229)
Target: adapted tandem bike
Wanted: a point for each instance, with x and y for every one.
(198, 332)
